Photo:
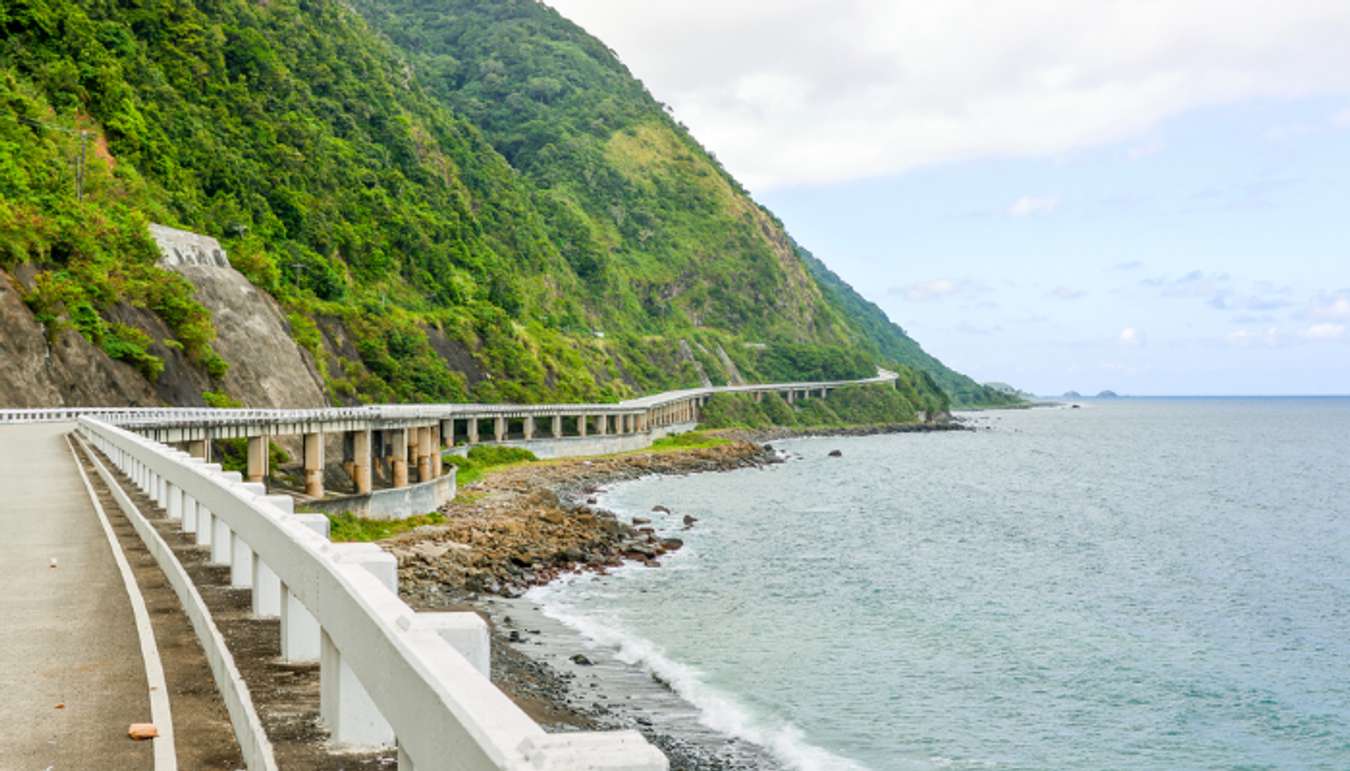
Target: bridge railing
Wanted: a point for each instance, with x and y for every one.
(388, 675)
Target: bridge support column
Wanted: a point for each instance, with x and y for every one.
(199, 448)
(299, 629)
(398, 456)
(581, 425)
(257, 458)
(528, 429)
(447, 433)
(471, 430)
(344, 704)
(601, 425)
(424, 450)
(314, 465)
(437, 463)
(361, 461)
(499, 428)
(557, 427)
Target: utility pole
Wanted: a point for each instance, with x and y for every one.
(79, 171)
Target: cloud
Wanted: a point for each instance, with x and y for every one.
(1341, 119)
(1324, 331)
(1245, 338)
(1065, 293)
(809, 92)
(938, 289)
(1131, 338)
(1334, 305)
(1129, 265)
(968, 328)
(1146, 150)
(1028, 205)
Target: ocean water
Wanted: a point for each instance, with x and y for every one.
(1135, 584)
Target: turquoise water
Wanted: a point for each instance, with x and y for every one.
(1135, 584)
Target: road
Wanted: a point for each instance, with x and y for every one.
(71, 675)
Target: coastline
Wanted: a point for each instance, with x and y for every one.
(534, 525)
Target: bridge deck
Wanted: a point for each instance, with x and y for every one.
(67, 634)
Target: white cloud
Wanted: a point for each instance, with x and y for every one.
(1325, 331)
(938, 289)
(1341, 119)
(1270, 337)
(1065, 293)
(809, 91)
(1130, 337)
(1028, 205)
(1332, 306)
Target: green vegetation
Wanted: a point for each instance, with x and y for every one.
(232, 454)
(348, 528)
(471, 467)
(461, 199)
(865, 405)
(691, 440)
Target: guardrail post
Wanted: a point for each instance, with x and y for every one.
(466, 633)
(344, 704)
(222, 538)
(241, 554)
(266, 584)
(299, 628)
(204, 526)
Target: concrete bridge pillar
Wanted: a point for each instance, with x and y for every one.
(529, 427)
(199, 448)
(791, 396)
(601, 424)
(257, 458)
(447, 433)
(436, 439)
(557, 427)
(473, 430)
(361, 461)
(398, 456)
(499, 428)
(314, 465)
(581, 425)
(424, 450)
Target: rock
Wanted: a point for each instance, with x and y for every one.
(141, 731)
(52, 564)
(641, 521)
(671, 544)
(580, 660)
(644, 721)
(592, 501)
(836, 453)
(659, 509)
(514, 636)
(689, 520)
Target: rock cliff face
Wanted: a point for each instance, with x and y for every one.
(267, 368)
(67, 371)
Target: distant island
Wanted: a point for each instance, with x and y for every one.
(1071, 395)
(1108, 395)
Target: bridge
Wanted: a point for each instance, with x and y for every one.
(124, 538)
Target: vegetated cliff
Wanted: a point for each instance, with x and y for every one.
(483, 204)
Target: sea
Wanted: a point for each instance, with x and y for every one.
(1135, 583)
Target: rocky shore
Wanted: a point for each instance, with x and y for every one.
(760, 435)
(524, 526)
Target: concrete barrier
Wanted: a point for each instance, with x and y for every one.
(393, 503)
(385, 674)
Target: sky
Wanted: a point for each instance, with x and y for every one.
(1147, 196)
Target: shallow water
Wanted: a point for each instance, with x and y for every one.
(1135, 584)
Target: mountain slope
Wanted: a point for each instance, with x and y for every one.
(507, 217)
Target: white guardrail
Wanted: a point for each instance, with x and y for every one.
(165, 416)
(388, 675)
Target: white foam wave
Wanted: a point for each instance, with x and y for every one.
(717, 709)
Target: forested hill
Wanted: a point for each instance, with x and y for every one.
(449, 200)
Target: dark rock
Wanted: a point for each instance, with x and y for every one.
(689, 520)
(671, 544)
(836, 453)
(641, 521)
(659, 509)
(580, 660)
(514, 636)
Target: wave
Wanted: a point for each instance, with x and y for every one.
(718, 710)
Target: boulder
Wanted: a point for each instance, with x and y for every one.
(836, 453)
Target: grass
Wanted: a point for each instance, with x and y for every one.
(349, 528)
(480, 458)
(693, 440)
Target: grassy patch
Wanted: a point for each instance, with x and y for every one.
(480, 458)
(692, 440)
(348, 528)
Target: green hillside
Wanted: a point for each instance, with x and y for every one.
(476, 201)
